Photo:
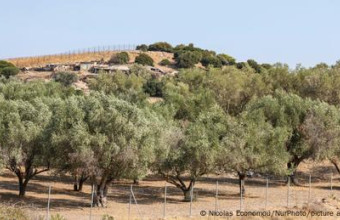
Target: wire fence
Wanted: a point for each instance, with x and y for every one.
(71, 54)
(210, 197)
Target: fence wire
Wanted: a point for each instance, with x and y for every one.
(159, 201)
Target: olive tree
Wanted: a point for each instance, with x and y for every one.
(189, 152)
(251, 144)
(70, 139)
(122, 138)
(22, 127)
(301, 117)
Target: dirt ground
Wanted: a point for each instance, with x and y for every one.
(149, 196)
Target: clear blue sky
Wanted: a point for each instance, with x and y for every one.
(288, 31)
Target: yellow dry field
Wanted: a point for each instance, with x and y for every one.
(86, 57)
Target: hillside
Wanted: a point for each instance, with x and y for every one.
(86, 57)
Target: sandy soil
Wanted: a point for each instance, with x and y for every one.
(149, 195)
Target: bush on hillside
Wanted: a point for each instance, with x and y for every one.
(240, 65)
(66, 78)
(266, 66)
(154, 88)
(211, 61)
(7, 69)
(160, 46)
(120, 58)
(226, 59)
(165, 62)
(144, 59)
(188, 59)
(142, 47)
(253, 64)
(4, 64)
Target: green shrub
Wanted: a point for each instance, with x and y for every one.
(253, 64)
(9, 71)
(120, 58)
(4, 64)
(66, 78)
(226, 59)
(57, 217)
(188, 59)
(211, 61)
(160, 46)
(144, 59)
(165, 62)
(266, 66)
(240, 65)
(154, 88)
(142, 47)
(107, 217)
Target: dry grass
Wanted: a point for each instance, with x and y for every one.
(85, 57)
(150, 196)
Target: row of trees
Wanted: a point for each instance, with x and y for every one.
(213, 121)
(187, 56)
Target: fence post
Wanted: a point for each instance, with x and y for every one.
(216, 197)
(134, 198)
(191, 195)
(241, 195)
(288, 191)
(48, 203)
(332, 182)
(310, 188)
(92, 195)
(267, 184)
(164, 207)
(130, 201)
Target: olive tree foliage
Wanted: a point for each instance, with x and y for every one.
(22, 138)
(233, 88)
(251, 144)
(123, 138)
(187, 103)
(66, 78)
(70, 139)
(15, 89)
(127, 87)
(298, 115)
(321, 130)
(319, 83)
(279, 77)
(188, 151)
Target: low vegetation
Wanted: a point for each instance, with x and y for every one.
(8, 69)
(144, 59)
(120, 58)
(66, 78)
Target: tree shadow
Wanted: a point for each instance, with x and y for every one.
(38, 188)
(30, 201)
